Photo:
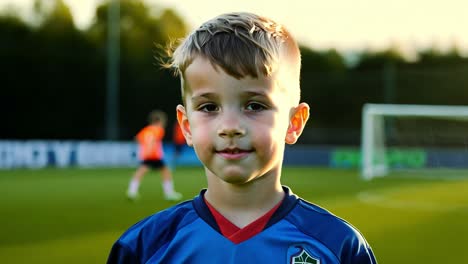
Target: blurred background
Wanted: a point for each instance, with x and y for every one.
(78, 78)
(72, 70)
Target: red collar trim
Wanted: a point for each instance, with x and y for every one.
(236, 234)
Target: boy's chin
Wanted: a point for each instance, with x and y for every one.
(236, 176)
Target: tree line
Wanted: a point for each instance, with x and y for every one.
(53, 82)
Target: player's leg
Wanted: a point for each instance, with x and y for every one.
(168, 184)
(134, 185)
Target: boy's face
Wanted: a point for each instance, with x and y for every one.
(238, 127)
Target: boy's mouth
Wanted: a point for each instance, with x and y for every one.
(233, 153)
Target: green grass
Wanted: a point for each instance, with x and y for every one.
(75, 215)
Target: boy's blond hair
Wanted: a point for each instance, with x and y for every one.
(242, 44)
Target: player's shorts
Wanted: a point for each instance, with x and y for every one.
(154, 164)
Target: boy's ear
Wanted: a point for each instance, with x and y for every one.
(297, 123)
(182, 119)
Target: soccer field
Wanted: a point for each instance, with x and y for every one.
(75, 215)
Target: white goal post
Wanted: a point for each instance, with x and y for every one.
(373, 153)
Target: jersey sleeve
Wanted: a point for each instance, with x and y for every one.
(121, 254)
(141, 242)
(360, 253)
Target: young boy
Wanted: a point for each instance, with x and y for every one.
(152, 157)
(240, 86)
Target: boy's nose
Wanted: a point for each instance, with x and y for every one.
(231, 126)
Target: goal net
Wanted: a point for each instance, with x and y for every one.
(428, 139)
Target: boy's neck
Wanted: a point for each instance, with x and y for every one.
(243, 204)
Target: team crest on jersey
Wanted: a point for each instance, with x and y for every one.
(299, 255)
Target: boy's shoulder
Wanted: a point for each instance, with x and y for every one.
(312, 219)
(324, 226)
(308, 213)
(163, 225)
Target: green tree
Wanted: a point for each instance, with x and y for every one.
(143, 84)
(15, 46)
(58, 19)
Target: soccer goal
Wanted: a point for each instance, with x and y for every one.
(397, 137)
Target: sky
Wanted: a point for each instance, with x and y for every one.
(323, 24)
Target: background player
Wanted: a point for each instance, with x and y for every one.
(151, 154)
(240, 85)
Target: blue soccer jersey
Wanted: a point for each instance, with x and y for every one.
(297, 233)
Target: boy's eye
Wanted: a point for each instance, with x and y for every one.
(208, 108)
(255, 107)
